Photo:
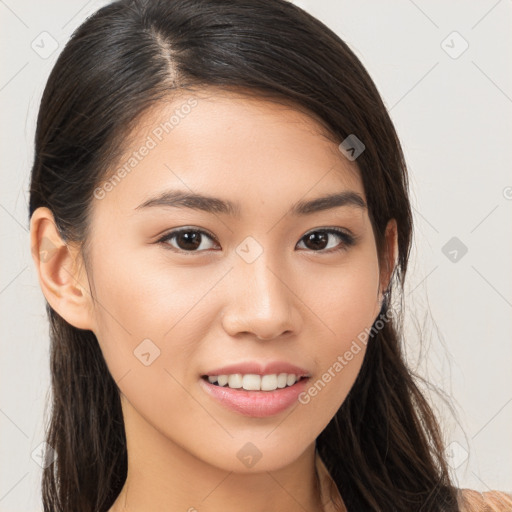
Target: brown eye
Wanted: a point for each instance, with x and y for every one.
(318, 240)
(187, 240)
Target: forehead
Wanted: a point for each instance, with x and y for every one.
(233, 144)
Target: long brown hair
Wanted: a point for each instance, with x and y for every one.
(383, 448)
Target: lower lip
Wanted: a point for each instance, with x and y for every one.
(257, 404)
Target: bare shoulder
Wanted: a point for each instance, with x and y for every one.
(489, 501)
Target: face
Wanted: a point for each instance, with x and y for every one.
(184, 289)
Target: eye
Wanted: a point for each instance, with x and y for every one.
(318, 238)
(187, 239)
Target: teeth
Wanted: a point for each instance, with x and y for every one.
(291, 379)
(252, 382)
(235, 381)
(281, 380)
(222, 380)
(268, 382)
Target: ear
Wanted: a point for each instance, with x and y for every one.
(61, 272)
(390, 254)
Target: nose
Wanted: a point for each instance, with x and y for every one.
(261, 302)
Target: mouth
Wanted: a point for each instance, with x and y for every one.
(257, 396)
(254, 382)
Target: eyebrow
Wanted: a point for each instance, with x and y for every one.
(209, 204)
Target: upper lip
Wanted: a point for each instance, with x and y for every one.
(256, 368)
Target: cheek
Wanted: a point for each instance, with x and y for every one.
(140, 308)
(146, 336)
(347, 306)
(345, 298)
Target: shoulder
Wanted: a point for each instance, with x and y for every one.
(489, 501)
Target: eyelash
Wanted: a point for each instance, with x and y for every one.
(348, 240)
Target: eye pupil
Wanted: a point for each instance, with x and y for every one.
(315, 237)
(192, 240)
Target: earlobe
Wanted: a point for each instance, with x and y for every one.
(61, 272)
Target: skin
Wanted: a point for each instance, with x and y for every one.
(208, 308)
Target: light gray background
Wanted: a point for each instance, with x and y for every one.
(453, 114)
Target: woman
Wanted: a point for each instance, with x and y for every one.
(219, 215)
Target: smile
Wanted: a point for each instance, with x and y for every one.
(253, 382)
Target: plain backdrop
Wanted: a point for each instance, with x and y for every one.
(443, 70)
